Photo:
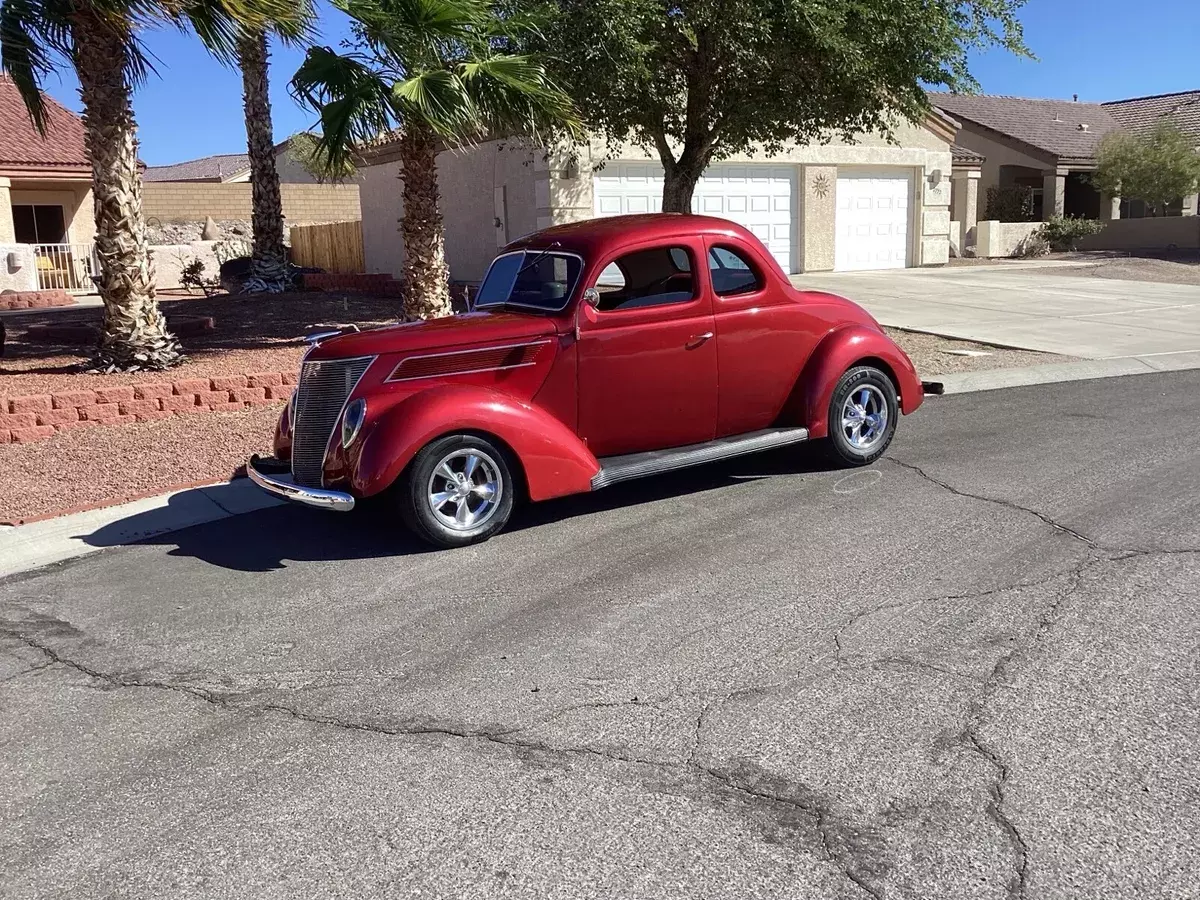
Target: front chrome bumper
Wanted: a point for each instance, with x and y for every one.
(281, 484)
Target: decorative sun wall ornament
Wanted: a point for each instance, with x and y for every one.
(820, 185)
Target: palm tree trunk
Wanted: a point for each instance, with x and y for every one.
(268, 269)
(135, 335)
(425, 270)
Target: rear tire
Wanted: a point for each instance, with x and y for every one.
(458, 490)
(862, 417)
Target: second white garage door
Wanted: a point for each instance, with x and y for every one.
(758, 197)
(871, 224)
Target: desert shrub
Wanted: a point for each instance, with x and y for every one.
(1009, 203)
(1033, 245)
(1065, 232)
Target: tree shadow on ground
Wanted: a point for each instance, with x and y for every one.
(266, 539)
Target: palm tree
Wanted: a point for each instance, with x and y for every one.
(268, 267)
(445, 73)
(99, 39)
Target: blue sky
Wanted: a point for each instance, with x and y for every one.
(1098, 49)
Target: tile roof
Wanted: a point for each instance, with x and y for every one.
(1182, 109)
(207, 168)
(21, 144)
(963, 155)
(1053, 126)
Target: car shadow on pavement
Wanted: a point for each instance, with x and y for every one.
(266, 539)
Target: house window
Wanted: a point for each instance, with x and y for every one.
(39, 224)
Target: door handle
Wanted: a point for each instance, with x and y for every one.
(698, 339)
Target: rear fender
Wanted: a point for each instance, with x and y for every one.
(838, 351)
(553, 460)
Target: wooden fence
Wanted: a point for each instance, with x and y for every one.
(337, 247)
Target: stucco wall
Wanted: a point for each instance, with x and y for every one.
(169, 260)
(1000, 239)
(1182, 232)
(997, 153)
(76, 201)
(468, 181)
(290, 171)
(174, 201)
(18, 268)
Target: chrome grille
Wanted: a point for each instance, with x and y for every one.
(324, 387)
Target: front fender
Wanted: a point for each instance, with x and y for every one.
(843, 349)
(553, 460)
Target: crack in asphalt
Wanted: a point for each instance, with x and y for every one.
(971, 737)
(998, 501)
(39, 667)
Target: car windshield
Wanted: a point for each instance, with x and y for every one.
(537, 279)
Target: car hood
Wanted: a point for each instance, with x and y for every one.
(467, 329)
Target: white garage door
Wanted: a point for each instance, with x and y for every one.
(758, 197)
(871, 224)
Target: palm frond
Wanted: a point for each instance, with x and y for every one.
(514, 94)
(355, 103)
(221, 23)
(32, 34)
(439, 99)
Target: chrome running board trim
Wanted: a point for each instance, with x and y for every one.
(614, 469)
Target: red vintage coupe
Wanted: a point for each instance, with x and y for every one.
(594, 353)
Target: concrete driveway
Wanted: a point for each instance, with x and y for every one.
(1093, 318)
(967, 672)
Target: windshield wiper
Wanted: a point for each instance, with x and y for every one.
(537, 259)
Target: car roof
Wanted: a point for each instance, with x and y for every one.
(600, 237)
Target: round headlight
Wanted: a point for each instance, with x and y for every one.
(352, 421)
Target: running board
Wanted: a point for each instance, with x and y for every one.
(637, 465)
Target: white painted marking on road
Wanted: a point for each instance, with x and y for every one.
(857, 481)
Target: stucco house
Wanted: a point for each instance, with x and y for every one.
(869, 204)
(1051, 145)
(229, 168)
(46, 216)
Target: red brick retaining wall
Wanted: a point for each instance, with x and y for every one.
(38, 416)
(35, 299)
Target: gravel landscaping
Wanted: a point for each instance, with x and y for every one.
(105, 466)
(934, 355)
(1179, 267)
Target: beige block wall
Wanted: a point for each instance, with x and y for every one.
(468, 181)
(818, 207)
(1182, 232)
(173, 201)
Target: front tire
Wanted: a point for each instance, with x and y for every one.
(458, 490)
(862, 417)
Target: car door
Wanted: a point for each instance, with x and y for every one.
(763, 339)
(646, 355)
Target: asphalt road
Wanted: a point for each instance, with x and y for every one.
(968, 672)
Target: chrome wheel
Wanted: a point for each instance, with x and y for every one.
(465, 489)
(865, 417)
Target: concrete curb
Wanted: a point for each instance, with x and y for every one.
(27, 547)
(1078, 370)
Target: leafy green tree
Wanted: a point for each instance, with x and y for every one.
(1157, 166)
(100, 40)
(445, 73)
(304, 148)
(700, 80)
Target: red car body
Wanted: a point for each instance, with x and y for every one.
(563, 390)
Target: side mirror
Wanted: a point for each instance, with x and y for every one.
(591, 297)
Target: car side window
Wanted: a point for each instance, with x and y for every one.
(653, 277)
(731, 272)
